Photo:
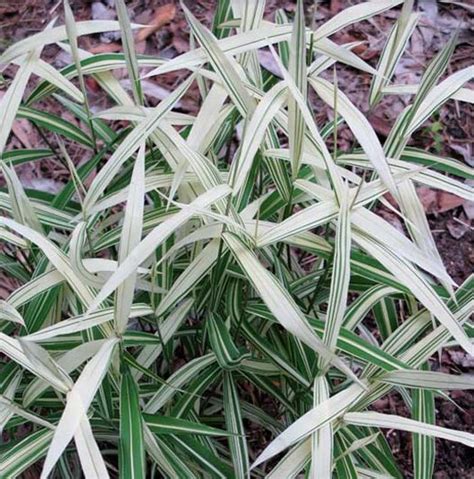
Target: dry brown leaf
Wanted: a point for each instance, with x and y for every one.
(335, 7)
(434, 201)
(181, 44)
(469, 205)
(447, 201)
(438, 201)
(469, 209)
(23, 131)
(106, 48)
(380, 125)
(140, 47)
(92, 84)
(162, 16)
(428, 198)
(350, 38)
(392, 218)
(457, 227)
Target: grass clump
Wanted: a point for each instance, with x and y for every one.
(166, 322)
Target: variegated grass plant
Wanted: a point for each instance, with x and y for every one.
(188, 309)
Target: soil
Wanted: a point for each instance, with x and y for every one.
(450, 134)
(452, 460)
(457, 254)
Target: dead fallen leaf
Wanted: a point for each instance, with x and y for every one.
(428, 22)
(162, 16)
(465, 151)
(150, 89)
(462, 359)
(7, 285)
(428, 198)
(447, 201)
(92, 84)
(42, 184)
(438, 201)
(181, 44)
(468, 206)
(369, 54)
(391, 218)
(335, 7)
(140, 47)
(380, 125)
(469, 209)
(434, 201)
(268, 62)
(360, 49)
(106, 48)
(22, 129)
(4, 293)
(99, 11)
(457, 228)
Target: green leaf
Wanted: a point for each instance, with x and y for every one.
(423, 409)
(132, 448)
(324, 413)
(79, 400)
(129, 239)
(22, 454)
(55, 124)
(228, 356)
(428, 380)
(392, 421)
(340, 278)
(322, 439)
(233, 416)
(279, 302)
(57, 34)
(129, 50)
(297, 70)
(173, 425)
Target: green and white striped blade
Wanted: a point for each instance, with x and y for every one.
(132, 449)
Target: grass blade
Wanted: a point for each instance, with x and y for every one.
(132, 449)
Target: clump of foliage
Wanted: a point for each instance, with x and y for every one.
(187, 309)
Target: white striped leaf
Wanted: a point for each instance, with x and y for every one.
(92, 463)
(361, 128)
(322, 439)
(325, 413)
(78, 402)
(392, 421)
(233, 416)
(147, 246)
(9, 313)
(22, 209)
(428, 380)
(297, 70)
(133, 141)
(423, 409)
(129, 239)
(58, 34)
(341, 274)
(279, 302)
(13, 349)
(132, 450)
